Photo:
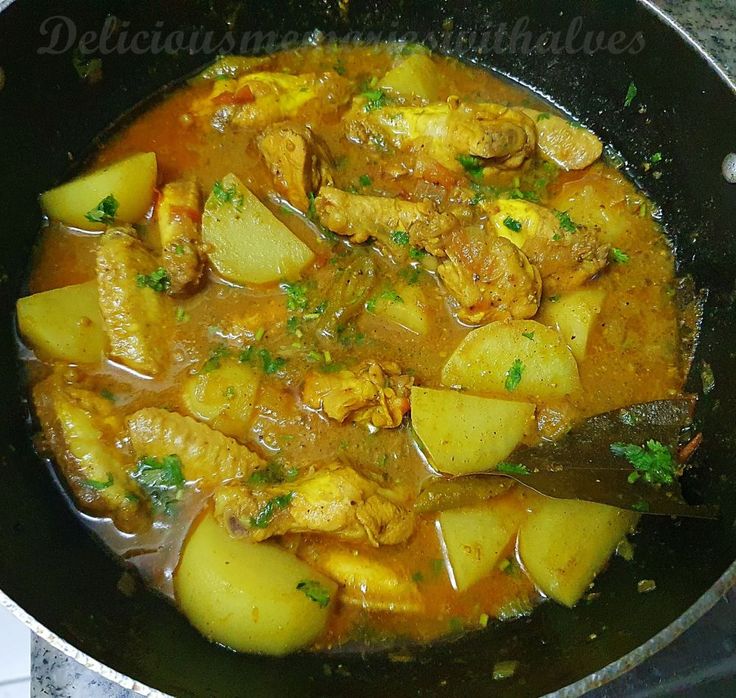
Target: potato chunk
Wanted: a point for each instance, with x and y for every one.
(520, 359)
(407, 308)
(415, 76)
(248, 244)
(573, 316)
(565, 543)
(130, 181)
(251, 597)
(465, 433)
(224, 396)
(64, 323)
(474, 540)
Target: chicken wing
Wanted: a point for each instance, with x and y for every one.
(362, 217)
(298, 161)
(97, 470)
(135, 315)
(374, 393)
(496, 135)
(334, 500)
(206, 455)
(179, 217)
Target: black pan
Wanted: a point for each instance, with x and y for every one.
(68, 585)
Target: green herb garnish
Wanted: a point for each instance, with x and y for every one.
(158, 280)
(273, 474)
(271, 364)
(652, 462)
(528, 335)
(389, 295)
(105, 211)
(162, 480)
(472, 165)
(543, 116)
(99, 484)
(619, 256)
(215, 358)
(376, 99)
(631, 93)
(263, 518)
(512, 224)
(182, 315)
(657, 157)
(108, 394)
(400, 237)
(296, 296)
(566, 223)
(365, 180)
(227, 195)
(314, 591)
(512, 469)
(513, 375)
(416, 253)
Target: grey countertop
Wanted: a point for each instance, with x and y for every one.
(713, 24)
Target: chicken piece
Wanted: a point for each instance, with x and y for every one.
(299, 162)
(135, 315)
(254, 100)
(498, 136)
(362, 217)
(566, 254)
(375, 393)
(96, 469)
(365, 581)
(179, 218)
(334, 500)
(490, 278)
(569, 146)
(206, 455)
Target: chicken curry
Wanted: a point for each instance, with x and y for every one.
(294, 309)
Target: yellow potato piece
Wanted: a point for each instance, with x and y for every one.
(465, 433)
(414, 76)
(408, 310)
(474, 539)
(64, 323)
(565, 543)
(248, 244)
(245, 595)
(485, 362)
(224, 397)
(573, 316)
(130, 181)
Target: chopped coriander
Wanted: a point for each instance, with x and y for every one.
(411, 275)
(388, 295)
(270, 364)
(512, 469)
(314, 591)
(528, 335)
(266, 513)
(227, 195)
(631, 93)
(512, 224)
(416, 253)
(543, 116)
(657, 157)
(653, 461)
(108, 395)
(628, 418)
(179, 249)
(417, 577)
(312, 208)
(105, 211)
(375, 99)
(215, 358)
(400, 237)
(273, 474)
(182, 315)
(246, 355)
(339, 68)
(642, 506)
(554, 298)
(99, 484)
(365, 181)
(292, 324)
(472, 165)
(619, 256)
(296, 296)
(517, 193)
(513, 375)
(162, 480)
(230, 392)
(158, 280)
(566, 223)
(556, 237)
